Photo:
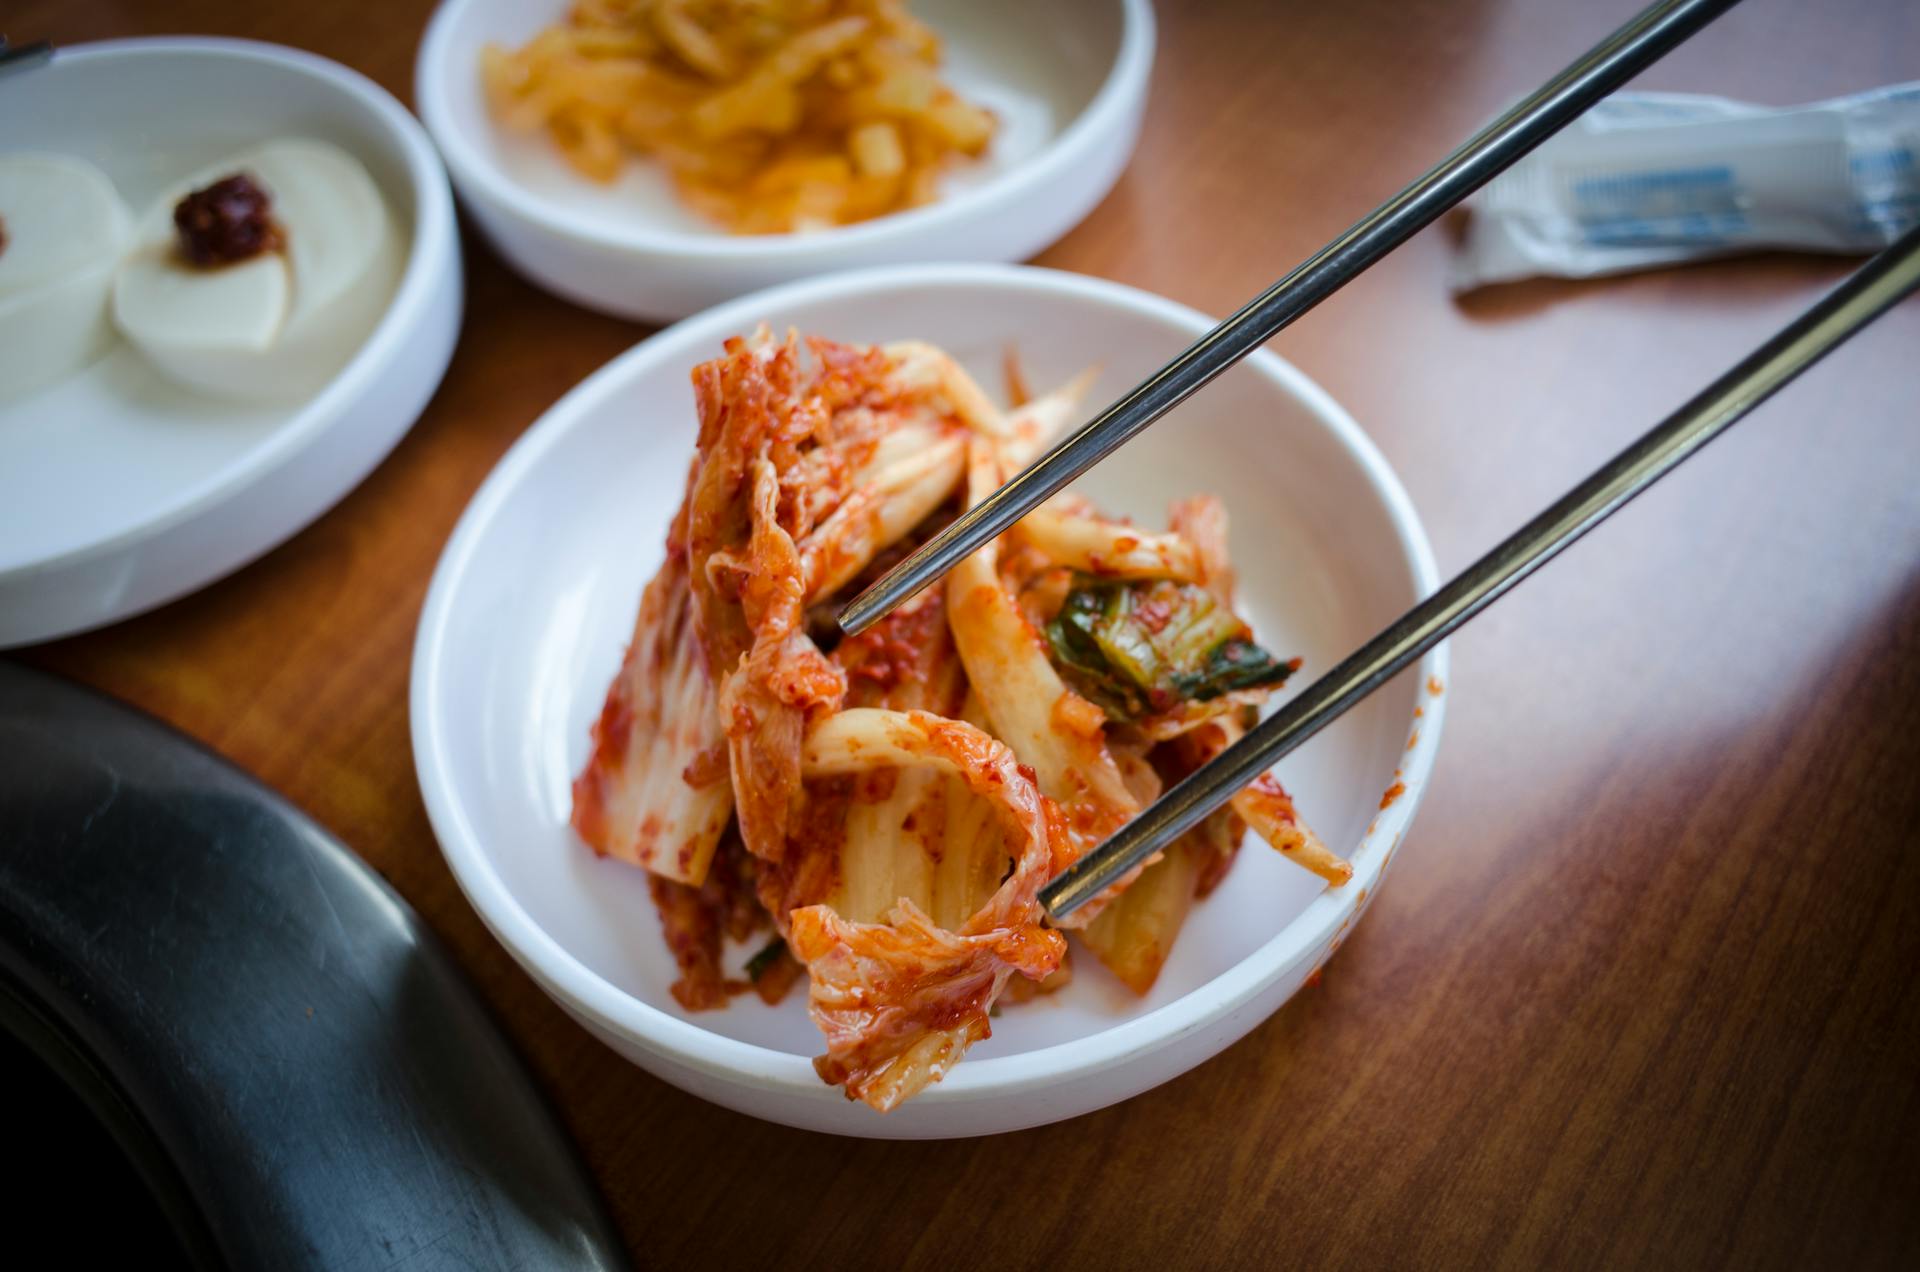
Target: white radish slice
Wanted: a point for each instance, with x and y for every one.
(281, 325)
(63, 228)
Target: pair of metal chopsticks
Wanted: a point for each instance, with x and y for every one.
(1888, 277)
(18, 57)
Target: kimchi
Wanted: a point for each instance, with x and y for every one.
(884, 808)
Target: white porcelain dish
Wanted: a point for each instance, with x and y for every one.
(1067, 78)
(535, 595)
(119, 491)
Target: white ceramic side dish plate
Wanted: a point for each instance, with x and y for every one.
(1067, 80)
(119, 491)
(535, 596)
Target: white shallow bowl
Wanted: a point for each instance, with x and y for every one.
(119, 491)
(1067, 78)
(534, 599)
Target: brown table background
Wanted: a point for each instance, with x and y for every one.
(1643, 988)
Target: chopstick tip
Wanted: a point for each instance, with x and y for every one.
(862, 612)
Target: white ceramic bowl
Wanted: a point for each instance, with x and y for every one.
(1068, 79)
(119, 491)
(535, 595)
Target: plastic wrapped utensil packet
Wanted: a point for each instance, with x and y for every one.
(1648, 179)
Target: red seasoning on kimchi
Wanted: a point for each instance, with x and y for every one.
(890, 804)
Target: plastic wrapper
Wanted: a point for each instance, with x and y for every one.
(1649, 179)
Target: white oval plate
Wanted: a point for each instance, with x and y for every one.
(1068, 80)
(119, 491)
(535, 595)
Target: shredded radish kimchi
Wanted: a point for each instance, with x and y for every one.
(876, 814)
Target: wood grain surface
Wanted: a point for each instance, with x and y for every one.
(1642, 992)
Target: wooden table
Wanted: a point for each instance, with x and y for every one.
(1643, 989)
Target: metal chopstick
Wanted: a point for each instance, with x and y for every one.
(1485, 155)
(1869, 292)
(18, 57)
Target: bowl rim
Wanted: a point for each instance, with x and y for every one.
(480, 179)
(430, 256)
(750, 1065)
